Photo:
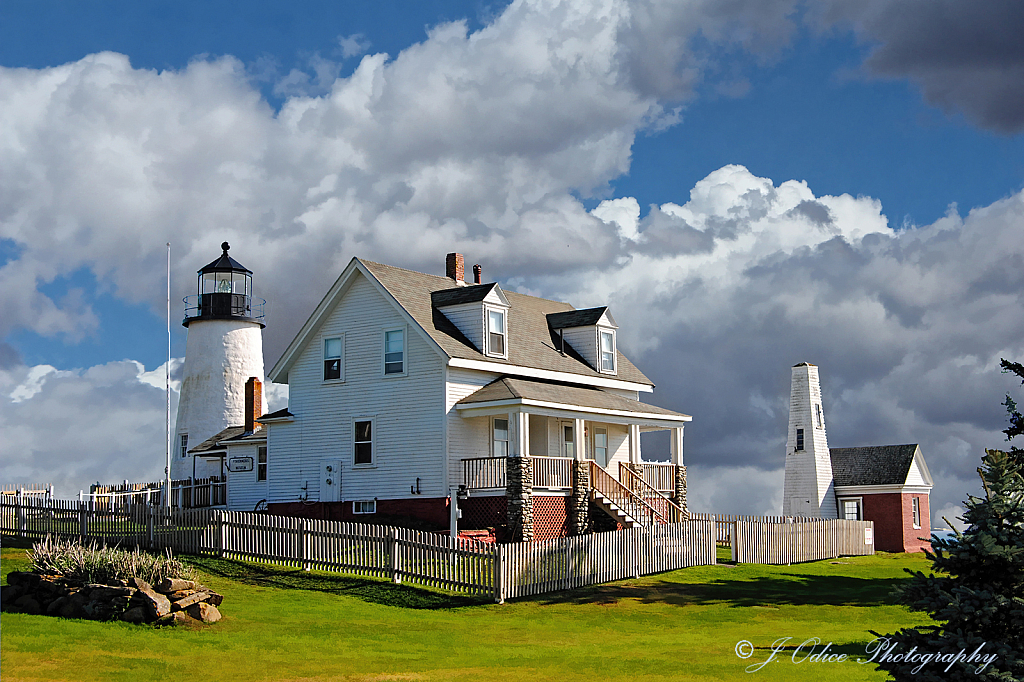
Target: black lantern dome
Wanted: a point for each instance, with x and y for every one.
(224, 293)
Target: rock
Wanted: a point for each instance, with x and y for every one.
(206, 613)
(71, 609)
(158, 604)
(134, 615)
(193, 598)
(138, 583)
(180, 594)
(10, 593)
(55, 606)
(28, 604)
(176, 618)
(214, 598)
(25, 578)
(117, 582)
(174, 585)
(105, 593)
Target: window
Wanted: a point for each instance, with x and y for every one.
(851, 510)
(607, 351)
(916, 506)
(601, 446)
(332, 358)
(496, 332)
(394, 351)
(799, 439)
(363, 442)
(500, 438)
(821, 422)
(184, 445)
(364, 507)
(568, 442)
(261, 463)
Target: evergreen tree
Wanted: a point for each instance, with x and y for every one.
(975, 594)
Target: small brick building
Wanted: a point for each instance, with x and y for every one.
(887, 484)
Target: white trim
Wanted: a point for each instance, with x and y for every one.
(276, 420)
(519, 370)
(341, 358)
(508, 435)
(566, 411)
(374, 455)
(404, 328)
(874, 489)
(915, 512)
(373, 502)
(600, 352)
(488, 309)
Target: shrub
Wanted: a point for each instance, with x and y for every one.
(102, 564)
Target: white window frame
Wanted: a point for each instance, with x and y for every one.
(594, 446)
(915, 510)
(487, 332)
(265, 463)
(405, 351)
(373, 443)
(357, 503)
(183, 444)
(341, 358)
(860, 507)
(600, 354)
(801, 440)
(494, 439)
(819, 418)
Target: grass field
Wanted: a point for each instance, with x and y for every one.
(285, 624)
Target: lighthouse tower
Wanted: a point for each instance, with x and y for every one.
(809, 488)
(224, 348)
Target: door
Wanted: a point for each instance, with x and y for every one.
(330, 481)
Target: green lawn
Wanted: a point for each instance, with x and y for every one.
(284, 624)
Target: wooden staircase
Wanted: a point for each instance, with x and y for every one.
(628, 504)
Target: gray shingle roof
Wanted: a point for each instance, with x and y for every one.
(872, 465)
(212, 444)
(509, 388)
(578, 318)
(532, 343)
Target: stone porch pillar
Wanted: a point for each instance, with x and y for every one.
(519, 497)
(680, 489)
(579, 512)
(679, 478)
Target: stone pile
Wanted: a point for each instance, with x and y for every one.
(169, 602)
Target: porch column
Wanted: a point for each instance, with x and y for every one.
(634, 443)
(676, 444)
(579, 439)
(519, 434)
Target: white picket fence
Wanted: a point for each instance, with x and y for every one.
(760, 542)
(398, 554)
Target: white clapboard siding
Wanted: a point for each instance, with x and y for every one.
(467, 438)
(244, 491)
(584, 341)
(408, 420)
(469, 319)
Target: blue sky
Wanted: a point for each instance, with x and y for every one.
(886, 103)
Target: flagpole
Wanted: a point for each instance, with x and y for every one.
(167, 380)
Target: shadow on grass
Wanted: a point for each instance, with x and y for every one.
(767, 592)
(365, 589)
(11, 542)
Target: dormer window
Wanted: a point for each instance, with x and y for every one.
(496, 336)
(607, 354)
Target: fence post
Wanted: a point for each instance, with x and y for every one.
(149, 526)
(499, 582)
(82, 526)
(220, 533)
(304, 538)
(19, 513)
(395, 563)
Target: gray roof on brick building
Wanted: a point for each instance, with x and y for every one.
(872, 465)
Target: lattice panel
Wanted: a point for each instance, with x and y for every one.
(483, 512)
(550, 517)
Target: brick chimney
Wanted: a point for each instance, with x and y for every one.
(253, 403)
(455, 267)
(478, 273)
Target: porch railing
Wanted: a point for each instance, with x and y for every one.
(661, 477)
(484, 472)
(552, 472)
(667, 509)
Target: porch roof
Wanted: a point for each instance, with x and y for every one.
(509, 391)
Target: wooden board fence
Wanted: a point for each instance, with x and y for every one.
(758, 542)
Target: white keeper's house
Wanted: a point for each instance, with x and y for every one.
(405, 387)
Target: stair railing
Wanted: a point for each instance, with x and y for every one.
(638, 486)
(635, 506)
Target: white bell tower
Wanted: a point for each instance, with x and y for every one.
(224, 348)
(809, 489)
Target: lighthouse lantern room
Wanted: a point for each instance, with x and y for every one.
(223, 350)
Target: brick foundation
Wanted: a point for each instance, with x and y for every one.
(422, 513)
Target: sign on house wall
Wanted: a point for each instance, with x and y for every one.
(237, 464)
